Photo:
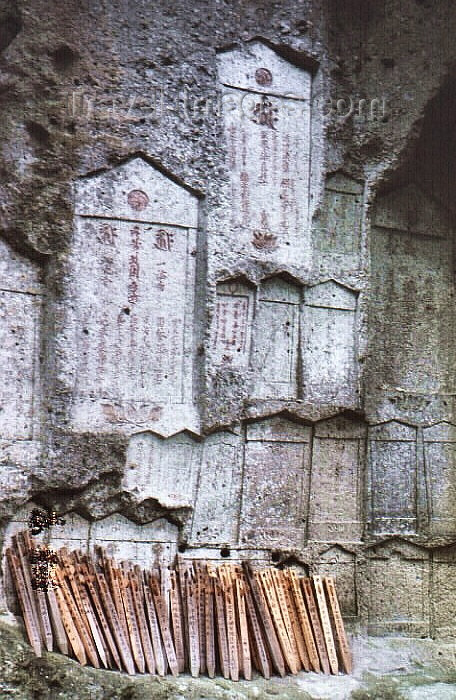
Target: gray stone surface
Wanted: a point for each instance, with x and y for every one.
(233, 329)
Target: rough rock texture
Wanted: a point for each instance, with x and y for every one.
(227, 284)
(384, 670)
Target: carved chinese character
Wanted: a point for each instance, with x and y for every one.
(162, 276)
(107, 234)
(164, 239)
(134, 266)
(135, 233)
(133, 291)
(264, 113)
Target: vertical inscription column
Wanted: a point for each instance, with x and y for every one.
(232, 325)
(128, 342)
(338, 458)
(266, 110)
(393, 479)
(276, 340)
(276, 484)
(330, 368)
(217, 505)
(440, 468)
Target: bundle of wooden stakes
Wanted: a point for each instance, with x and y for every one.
(195, 617)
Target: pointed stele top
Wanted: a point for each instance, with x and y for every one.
(410, 209)
(332, 295)
(278, 428)
(336, 555)
(137, 191)
(393, 430)
(443, 431)
(340, 182)
(257, 68)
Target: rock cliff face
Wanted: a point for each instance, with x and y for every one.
(226, 288)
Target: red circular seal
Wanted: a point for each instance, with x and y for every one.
(263, 76)
(138, 200)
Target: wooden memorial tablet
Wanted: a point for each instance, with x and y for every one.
(222, 636)
(132, 623)
(261, 654)
(293, 616)
(164, 623)
(279, 588)
(93, 623)
(227, 590)
(71, 629)
(114, 586)
(90, 579)
(193, 627)
(138, 603)
(117, 630)
(200, 569)
(56, 622)
(177, 621)
(306, 584)
(30, 621)
(86, 639)
(265, 618)
(326, 624)
(304, 621)
(69, 571)
(45, 622)
(270, 595)
(239, 584)
(344, 648)
(209, 626)
(154, 630)
(23, 565)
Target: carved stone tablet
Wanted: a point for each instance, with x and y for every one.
(340, 563)
(232, 326)
(125, 540)
(276, 339)
(393, 478)
(20, 301)
(275, 486)
(440, 469)
(129, 328)
(399, 590)
(337, 236)
(329, 345)
(338, 457)
(266, 109)
(163, 469)
(444, 592)
(411, 292)
(216, 514)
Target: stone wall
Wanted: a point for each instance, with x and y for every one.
(227, 285)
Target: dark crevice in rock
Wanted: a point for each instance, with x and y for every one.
(10, 26)
(64, 58)
(38, 133)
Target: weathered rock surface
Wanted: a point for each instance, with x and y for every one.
(384, 670)
(227, 289)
